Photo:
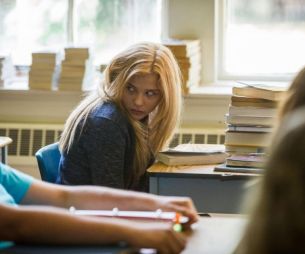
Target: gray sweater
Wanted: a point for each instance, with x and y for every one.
(102, 153)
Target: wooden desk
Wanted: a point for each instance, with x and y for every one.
(219, 235)
(215, 235)
(212, 192)
(4, 141)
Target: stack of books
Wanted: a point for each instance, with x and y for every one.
(76, 69)
(43, 73)
(250, 122)
(188, 55)
(7, 70)
(193, 154)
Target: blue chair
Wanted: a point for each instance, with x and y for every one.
(48, 161)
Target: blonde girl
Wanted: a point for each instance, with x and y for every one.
(113, 135)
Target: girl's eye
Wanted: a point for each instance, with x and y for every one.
(151, 93)
(130, 88)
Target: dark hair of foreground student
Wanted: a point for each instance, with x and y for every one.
(277, 223)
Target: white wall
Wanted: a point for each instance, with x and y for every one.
(54, 107)
(194, 19)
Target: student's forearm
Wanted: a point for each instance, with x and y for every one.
(93, 197)
(90, 197)
(36, 225)
(87, 197)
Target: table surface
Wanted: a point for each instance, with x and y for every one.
(160, 168)
(218, 234)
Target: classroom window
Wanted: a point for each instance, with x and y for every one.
(106, 26)
(110, 26)
(29, 25)
(262, 39)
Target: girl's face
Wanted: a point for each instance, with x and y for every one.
(141, 95)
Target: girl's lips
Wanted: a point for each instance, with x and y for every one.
(137, 112)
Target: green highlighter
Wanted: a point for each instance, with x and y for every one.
(177, 225)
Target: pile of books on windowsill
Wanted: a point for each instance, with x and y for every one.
(7, 70)
(76, 70)
(188, 55)
(250, 122)
(43, 74)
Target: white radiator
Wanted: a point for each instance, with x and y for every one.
(28, 138)
(198, 136)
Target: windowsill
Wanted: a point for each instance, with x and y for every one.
(210, 90)
(20, 85)
(223, 88)
(219, 89)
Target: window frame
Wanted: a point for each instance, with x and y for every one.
(222, 74)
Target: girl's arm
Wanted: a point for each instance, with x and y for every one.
(95, 197)
(107, 151)
(55, 226)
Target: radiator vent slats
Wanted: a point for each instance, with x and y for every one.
(198, 138)
(12, 148)
(37, 141)
(25, 142)
(27, 139)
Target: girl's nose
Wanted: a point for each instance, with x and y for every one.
(139, 100)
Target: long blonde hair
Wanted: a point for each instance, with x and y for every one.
(142, 58)
(277, 223)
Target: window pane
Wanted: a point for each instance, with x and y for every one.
(30, 25)
(109, 26)
(264, 37)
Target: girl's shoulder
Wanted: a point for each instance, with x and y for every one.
(110, 111)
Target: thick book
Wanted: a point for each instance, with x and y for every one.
(249, 128)
(250, 120)
(242, 101)
(252, 111)
(195, 149)
(260, 91)
(248, 139)
(247, 160)
(183, 48)
(227, 169)
(244, 149)
(193, 154)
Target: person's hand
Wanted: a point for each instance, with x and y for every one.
(160, 236)
(182, 205)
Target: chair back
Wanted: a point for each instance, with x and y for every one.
(48, 161)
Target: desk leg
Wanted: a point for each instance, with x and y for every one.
(210, 195)
(154, 185)
(3, 154)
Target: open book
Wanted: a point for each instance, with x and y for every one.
(192, 154)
